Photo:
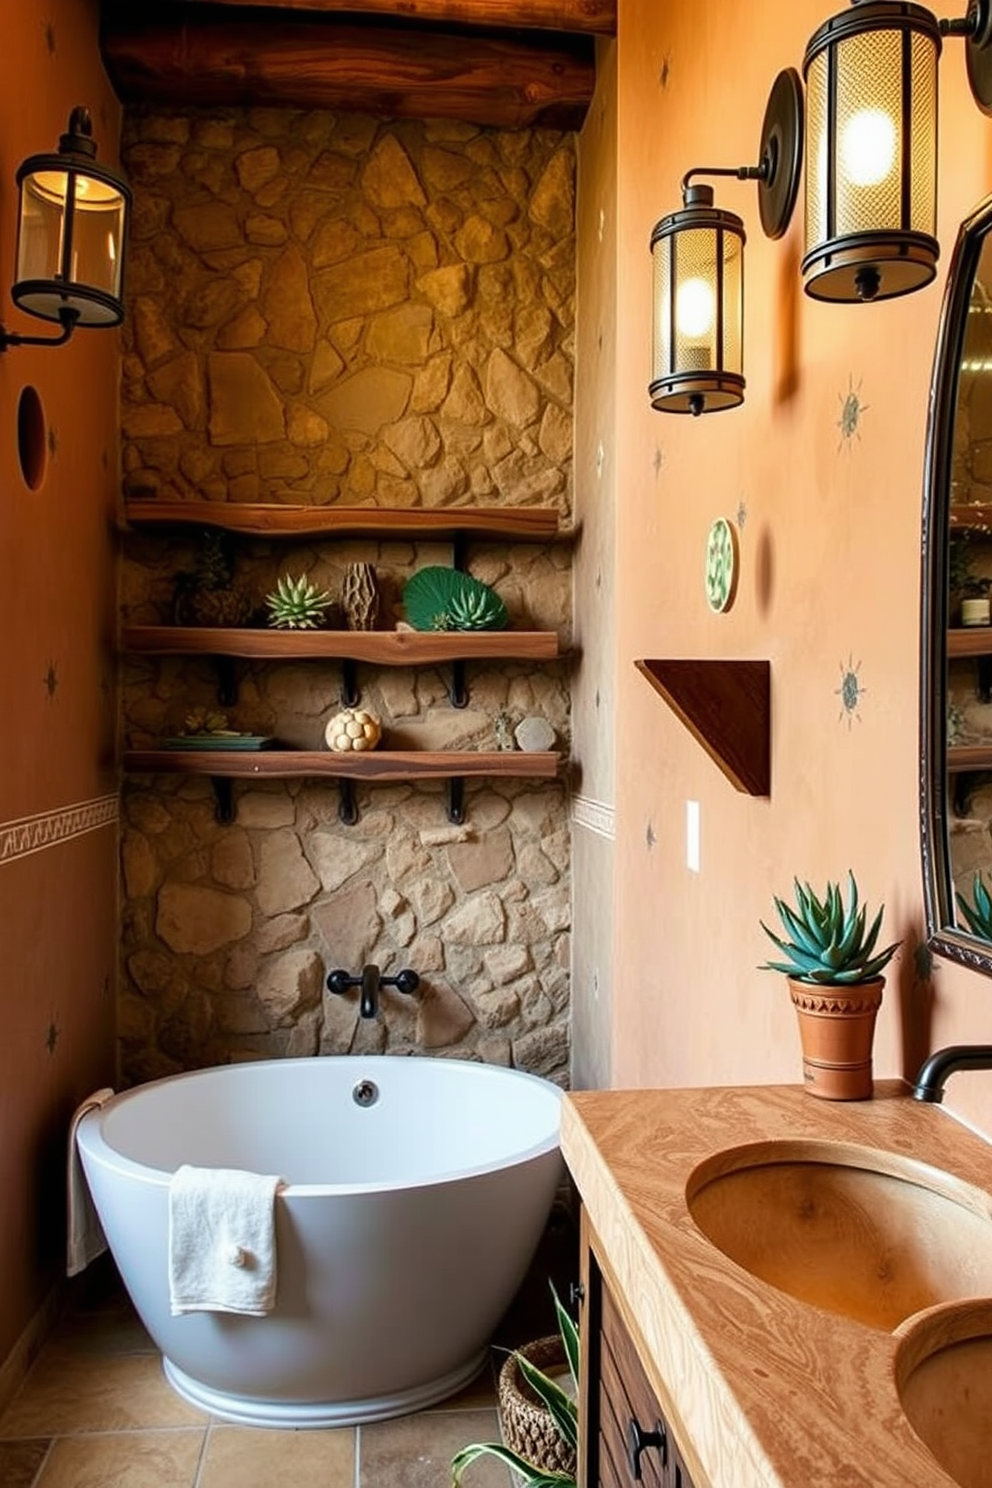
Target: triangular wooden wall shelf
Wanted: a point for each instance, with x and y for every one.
(726, 706)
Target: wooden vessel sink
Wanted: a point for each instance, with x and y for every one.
(867, 1234)
(944, 1379)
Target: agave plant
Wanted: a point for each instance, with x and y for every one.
(560, 1405)
(829, 943)
(978, 913)
(296, 604)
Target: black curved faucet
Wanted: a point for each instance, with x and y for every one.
(370, 980)
(934, 1072)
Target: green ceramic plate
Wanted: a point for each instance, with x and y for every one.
(721, 565)
(228, 741)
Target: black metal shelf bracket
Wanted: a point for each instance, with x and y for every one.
(456, 800)
(457, 690)
(227, 681)
(223, 799)
(347, 805)
(350, 693)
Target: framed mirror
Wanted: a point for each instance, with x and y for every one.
(956, 634)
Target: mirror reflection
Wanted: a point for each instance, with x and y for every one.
(957, 612)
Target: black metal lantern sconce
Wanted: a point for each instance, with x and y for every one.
(871, 145)
(71, 236)
(698, 256)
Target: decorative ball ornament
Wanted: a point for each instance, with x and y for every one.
(353, 729)
(722, 559)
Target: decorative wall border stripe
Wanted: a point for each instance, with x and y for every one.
(31, 834)
(596, 815)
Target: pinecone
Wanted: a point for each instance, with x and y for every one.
(209, 595)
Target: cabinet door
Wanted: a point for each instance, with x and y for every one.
(633, 1441)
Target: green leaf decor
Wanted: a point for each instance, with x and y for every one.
(439, 598)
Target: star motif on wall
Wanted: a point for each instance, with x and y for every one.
(53, 440)
(923, 964)
(51, 679)
(851, 409)
(850, 691)
(659, 459)
(649, 836)
(52, 1036)
(741, 516)
(49, 28)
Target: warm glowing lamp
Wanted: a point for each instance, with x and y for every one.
(71, 234)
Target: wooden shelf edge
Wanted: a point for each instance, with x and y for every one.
(726, 706)
(961, 757)
(521, 523)
(386, 648)
(379, 764)
(969, 640)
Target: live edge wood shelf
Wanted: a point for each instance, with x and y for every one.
(726, 706)
(459, 525)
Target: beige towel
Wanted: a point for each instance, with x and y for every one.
(86, 1239)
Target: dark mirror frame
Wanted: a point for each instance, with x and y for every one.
(944, 935)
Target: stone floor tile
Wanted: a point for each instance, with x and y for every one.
(252, 1457)
(66, 1392)
(140, 1459)
(416, 1451)
(20, 1461)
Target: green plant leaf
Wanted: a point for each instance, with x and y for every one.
(533, 1476)
(437, 598)
(561, 1407)
(569, 1337)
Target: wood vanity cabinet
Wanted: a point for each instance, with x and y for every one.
(624, 1437)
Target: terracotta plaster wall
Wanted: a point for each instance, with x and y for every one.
(829, 587)
(58, 801)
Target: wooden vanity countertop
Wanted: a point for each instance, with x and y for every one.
(764, 1391)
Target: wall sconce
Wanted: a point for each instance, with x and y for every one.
(871, 145)
(71, 234)
(698, 255)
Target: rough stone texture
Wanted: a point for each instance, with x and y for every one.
(344, 310)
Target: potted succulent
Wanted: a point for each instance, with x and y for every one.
(835, 980)
(977, 914)
(539, 1418)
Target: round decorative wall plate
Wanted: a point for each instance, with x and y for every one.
(721, 565)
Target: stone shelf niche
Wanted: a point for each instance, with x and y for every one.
(726, 706)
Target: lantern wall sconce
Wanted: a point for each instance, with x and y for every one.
(71, 236)
(871, 145)
(698, 254)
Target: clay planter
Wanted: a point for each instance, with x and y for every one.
(837, 1029)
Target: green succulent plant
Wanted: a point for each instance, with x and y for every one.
(437, 598)
(829, 943)
(296, 604)
(978, 914)
(560, 1405)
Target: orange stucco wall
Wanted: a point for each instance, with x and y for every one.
(58, 807)
(830, 583)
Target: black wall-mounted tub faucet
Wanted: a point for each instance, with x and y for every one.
(370, 981)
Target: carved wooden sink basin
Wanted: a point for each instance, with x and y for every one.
(944, 1379)
(871, 1235)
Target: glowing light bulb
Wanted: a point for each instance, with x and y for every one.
(695, 308)
(868, 146)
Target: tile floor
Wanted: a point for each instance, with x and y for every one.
(96, 1412)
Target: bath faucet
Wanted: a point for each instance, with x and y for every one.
(933, 1075)
(370, 981)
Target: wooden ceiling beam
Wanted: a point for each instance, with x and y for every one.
(161, 54)
(591, 17)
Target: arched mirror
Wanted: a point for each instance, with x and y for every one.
(956, 642)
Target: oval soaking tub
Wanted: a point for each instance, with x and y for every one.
(417, 1192)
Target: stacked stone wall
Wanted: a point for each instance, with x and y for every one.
(331, 309)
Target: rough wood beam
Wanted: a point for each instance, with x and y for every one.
(162, 56)
(589, 16)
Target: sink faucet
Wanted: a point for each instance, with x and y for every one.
(370, 981)
(933, 1075)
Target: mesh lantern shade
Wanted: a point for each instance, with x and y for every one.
(698, 296)
(871, 152)
(70, 233)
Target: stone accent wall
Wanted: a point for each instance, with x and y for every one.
(336, 309)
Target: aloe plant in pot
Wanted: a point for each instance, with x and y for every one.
(835, 981)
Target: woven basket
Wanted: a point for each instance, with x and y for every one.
(527, 1424)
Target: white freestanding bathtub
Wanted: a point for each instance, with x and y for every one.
(417, 1192)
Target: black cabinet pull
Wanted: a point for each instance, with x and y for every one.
(639, 1441)
(576, 1293)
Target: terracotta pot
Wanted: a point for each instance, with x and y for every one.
(837, 1029)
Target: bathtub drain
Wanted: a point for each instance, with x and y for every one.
(365, 1093)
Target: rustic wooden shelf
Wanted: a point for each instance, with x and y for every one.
(726, 706)
(973, 640)
(535, 524)
(961, 757)
(383, 648)
(972, 518)
(454, 766)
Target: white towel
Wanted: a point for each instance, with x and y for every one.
(222, 1243)
(85, 1239)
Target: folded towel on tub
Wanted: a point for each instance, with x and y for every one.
(222, 1243)
(85, 1239)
